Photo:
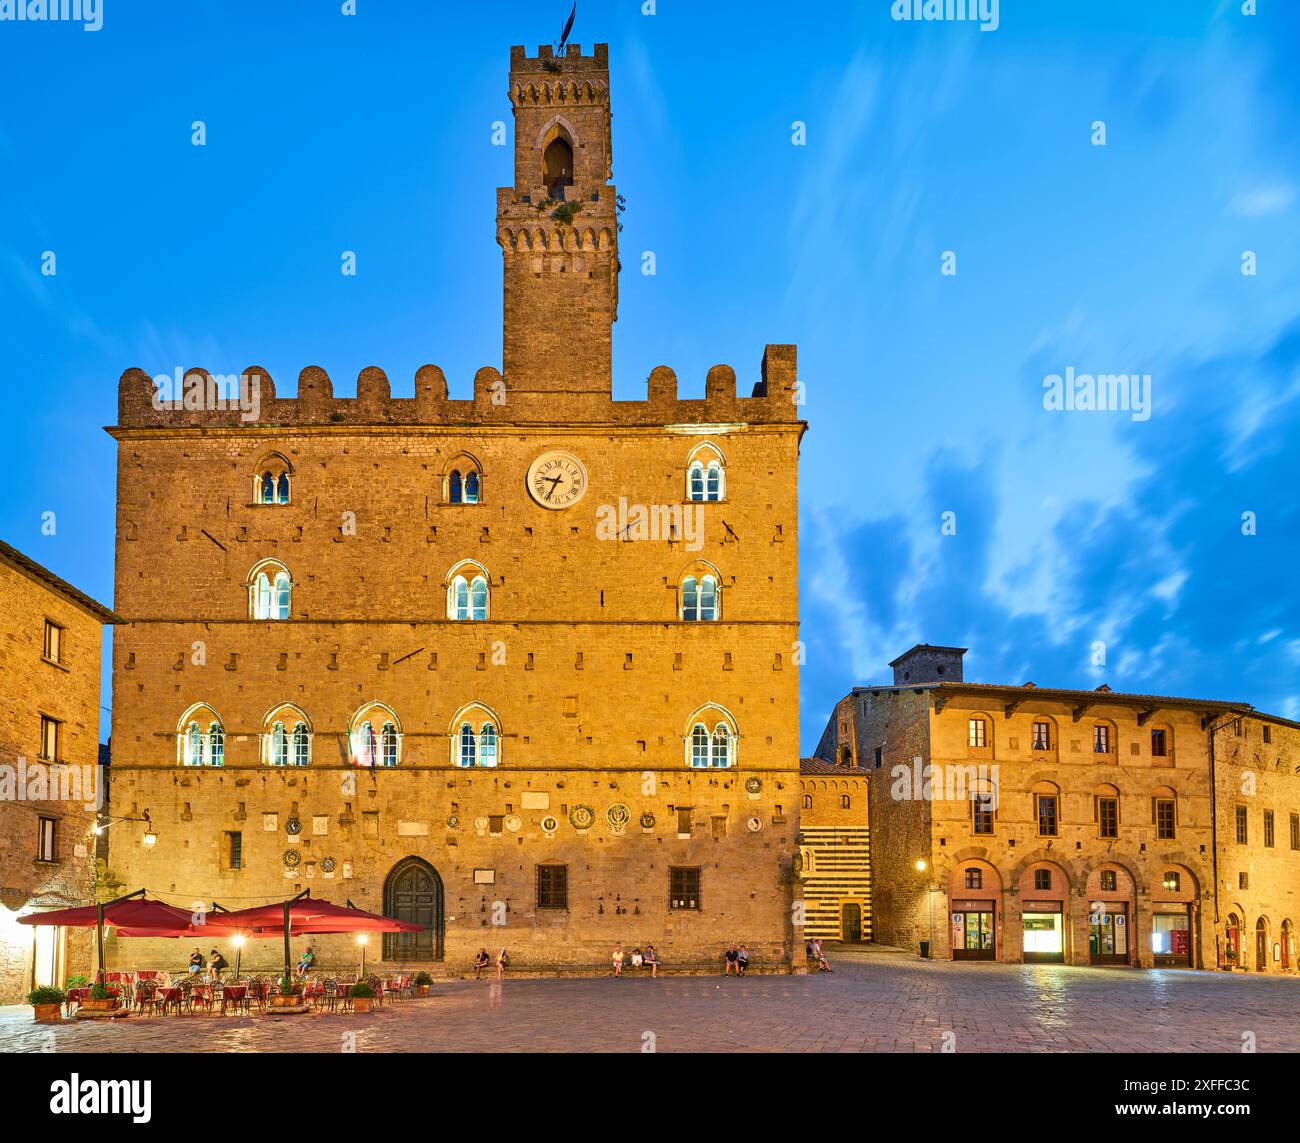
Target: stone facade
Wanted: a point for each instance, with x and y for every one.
(51, 865)
(1099, 845)
(582, 661)
(834, 851)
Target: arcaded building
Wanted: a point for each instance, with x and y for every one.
(51, 651)
(1020, 823)
(517, 667)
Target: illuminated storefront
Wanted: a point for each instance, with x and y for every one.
(1110, 894)
(1173, 919)
(974, 935)
(1043, 924)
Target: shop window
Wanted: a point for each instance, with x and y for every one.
(683, 888)
(1042, 880)
(1109, 881)
(1171, 935)
(1243, 829)
(1042, 736)
(552, 886)
(1268, 829)
(974, 879)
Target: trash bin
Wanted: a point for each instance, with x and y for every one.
(925, 950)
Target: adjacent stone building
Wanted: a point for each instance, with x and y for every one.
(516, 667)
(51, 650)
(834, 851)
(1021, 823)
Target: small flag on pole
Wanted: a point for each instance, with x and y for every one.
(568, 27)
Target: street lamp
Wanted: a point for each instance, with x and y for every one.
(921, 867)
(363, 939)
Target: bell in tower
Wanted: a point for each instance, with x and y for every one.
(558, 226)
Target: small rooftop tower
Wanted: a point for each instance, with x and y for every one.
(558, 225)
(925, 663)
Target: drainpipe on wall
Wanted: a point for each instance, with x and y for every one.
(1214, 829)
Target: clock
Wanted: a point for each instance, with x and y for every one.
(557, 479)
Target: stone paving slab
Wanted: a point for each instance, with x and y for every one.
(872, 1003)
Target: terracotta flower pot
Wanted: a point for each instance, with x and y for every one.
(47, 1013)
(361, 1004)
(278, 1001)
(92, 1005)
(421, 990)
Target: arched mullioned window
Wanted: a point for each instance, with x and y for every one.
(202, 741)
(464, 476)
(706, 477)
(375, 737)
(711, 739)
(271, 480)
(807, 802)
(287, 737)
(476, 737)
(270, 591)
(700, 599)
(467, 592)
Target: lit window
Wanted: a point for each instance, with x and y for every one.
(301, 745)
(1109, 881)
(467, 599)
(471, 488)
(721, 755)
(47, 839)
(978, 733)
(272, 593)
(699, 746)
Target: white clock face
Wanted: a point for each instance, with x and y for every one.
(557, 480)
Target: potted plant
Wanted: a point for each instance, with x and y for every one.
(288, 993)
(76, 982)
(102, 997)
(362, 994)
(46, 1001)
(422, 982)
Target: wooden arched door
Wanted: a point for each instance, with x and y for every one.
(413, 892)
(851, 921)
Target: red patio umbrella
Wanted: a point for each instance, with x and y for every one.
(304, 915)
(131, 916)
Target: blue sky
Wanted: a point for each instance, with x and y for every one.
(924, 391)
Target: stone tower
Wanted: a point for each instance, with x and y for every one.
(558, 226)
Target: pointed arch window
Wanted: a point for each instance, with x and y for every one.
(471, 487)
(713, 482)
(271, 480)
(700, 599)
(271, 593)
(467, 597)
(364, 748)
(216, 745)
(696, 481)
(706, 478)
(468, 745)
(268, 489)
(455, 489)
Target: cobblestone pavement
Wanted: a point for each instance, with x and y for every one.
(874, 1002)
